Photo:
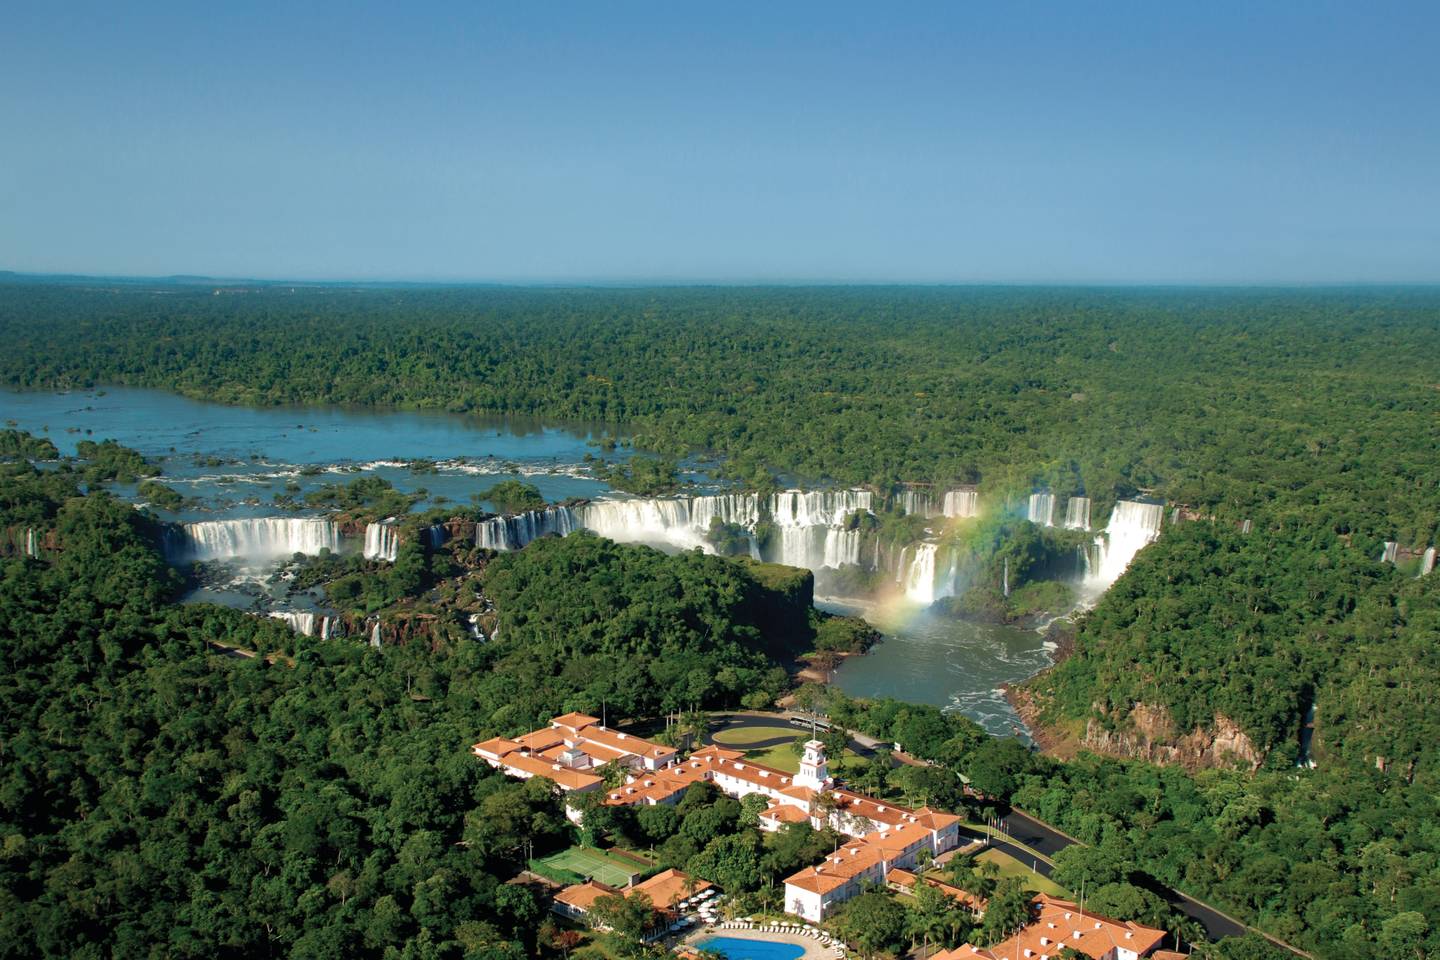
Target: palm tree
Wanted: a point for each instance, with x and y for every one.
(769, 897)
(695, 725)
(823, 807)
(875, 776)
(988, 874)
(964, 875)
(614, 774)
(923, 856)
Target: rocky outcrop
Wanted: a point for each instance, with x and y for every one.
(1148, 733)
(20, 541)
(458, 528)
(350, 528)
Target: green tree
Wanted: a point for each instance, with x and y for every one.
(874, 920)
(731, 861)
(1007, 910)
(629, 917)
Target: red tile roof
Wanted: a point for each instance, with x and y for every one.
(582, 896)
(838, 869)
(669, 887)
(907, 880)
(784, 813)
(564, 776)
(665, 889)
(1059, 924)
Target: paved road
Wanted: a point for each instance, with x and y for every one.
(1048, 841)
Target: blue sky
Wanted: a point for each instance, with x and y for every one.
(1009, 142)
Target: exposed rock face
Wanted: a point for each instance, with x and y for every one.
(349, 527)
(457, 528)
(1148, 733)
(20, 541)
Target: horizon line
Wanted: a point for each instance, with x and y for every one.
(639, 282)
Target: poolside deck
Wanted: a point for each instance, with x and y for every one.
(814, 949)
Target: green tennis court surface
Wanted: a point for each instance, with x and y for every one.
(588, 862)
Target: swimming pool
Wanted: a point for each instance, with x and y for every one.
(737, 948)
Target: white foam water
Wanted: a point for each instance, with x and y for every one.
(1042, 509)
(1077, 513)
(382, 541)
(259, 538)
(961, 503)
(1133, 526)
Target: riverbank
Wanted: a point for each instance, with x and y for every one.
(1053, 741)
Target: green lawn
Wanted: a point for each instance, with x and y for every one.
(781, 756)
(1010, 867)
(784, 758)
(589, 862)
(744, 736)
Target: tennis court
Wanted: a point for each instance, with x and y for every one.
(589, 862)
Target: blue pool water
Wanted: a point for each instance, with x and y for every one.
(736, 948)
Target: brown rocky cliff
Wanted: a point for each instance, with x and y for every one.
(1148, 733)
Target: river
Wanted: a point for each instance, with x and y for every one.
(232, 462)
(952, 664)
(261, 450)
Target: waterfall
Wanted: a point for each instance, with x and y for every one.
(1042, 509)
(961, 503)
(259, 538)
(1245, 527)
(917, 571)
(816, 508)
(375, 635)
(1174, 516)
(681, 522)
(810, 524)
(738, 508)
(31, 549)
(1005, 579)
(512, 533)
(797, 546)
(382, 542)
(918, 576)
(1391, 549)
(1427, 561)
(811, 527)
(817, 547)
(841, 548)
(1307, 737)
(309, 624)
(1077, 513)
(916, 503)
(643, 521)
(475, 631)
(301, 623)
(1132, 526)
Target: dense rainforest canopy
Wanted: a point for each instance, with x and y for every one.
(1317, 402)
(320, 801)
(1260, 629)
(161, 797)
